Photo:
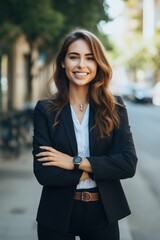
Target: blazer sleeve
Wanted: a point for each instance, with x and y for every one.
(121, 160)
(48, 175)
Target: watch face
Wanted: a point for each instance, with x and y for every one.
(77, 160)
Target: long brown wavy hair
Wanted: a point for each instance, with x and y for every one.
(100, 98)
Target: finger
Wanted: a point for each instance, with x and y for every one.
(41, 154)
(49, 164)
(45, 159)
(47, 148)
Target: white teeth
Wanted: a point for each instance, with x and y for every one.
(80, 74)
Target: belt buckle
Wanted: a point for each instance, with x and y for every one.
(83, 196)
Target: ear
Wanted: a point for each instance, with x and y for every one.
(62, 65)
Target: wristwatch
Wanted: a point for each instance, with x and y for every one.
(77, 161)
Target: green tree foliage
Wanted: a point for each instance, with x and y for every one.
(81, 13)
(144, 56)
(84, 14)
(134, 12)
(44, 22)
(36, 19)
(8, 34)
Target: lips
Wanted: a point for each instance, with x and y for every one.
(81, 74)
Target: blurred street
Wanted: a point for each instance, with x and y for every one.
(20, 192)
(143, 190)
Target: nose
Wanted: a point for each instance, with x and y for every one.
(81, 63)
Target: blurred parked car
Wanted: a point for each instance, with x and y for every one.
(156, 94)
(137, 93)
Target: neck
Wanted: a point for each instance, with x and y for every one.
(78, 96)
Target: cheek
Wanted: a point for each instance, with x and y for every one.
(94, 68)
(68, 72)
(69, 66)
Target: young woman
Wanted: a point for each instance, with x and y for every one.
(82, 147)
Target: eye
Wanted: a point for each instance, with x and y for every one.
(90, 58)
(73, 57)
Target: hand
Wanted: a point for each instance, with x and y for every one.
(52, 157)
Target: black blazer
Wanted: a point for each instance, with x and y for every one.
(112, 158)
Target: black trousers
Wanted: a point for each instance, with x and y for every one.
(88, 221)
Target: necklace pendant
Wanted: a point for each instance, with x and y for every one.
(81, 107)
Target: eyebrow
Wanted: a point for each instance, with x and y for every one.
(75, 53)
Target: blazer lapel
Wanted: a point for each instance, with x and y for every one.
(92, 132)
(69, 128)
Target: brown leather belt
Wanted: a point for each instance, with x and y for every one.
(86, 196)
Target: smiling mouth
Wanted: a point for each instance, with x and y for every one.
(81, 74)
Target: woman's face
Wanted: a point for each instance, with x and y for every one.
(79, 63)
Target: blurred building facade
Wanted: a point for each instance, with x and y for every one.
(142, 16)
(24, 76)
(151, 17)
(142, 26)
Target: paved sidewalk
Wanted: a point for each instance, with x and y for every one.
(19, 197)
(19, 194)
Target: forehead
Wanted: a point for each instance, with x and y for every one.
(79, 46)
